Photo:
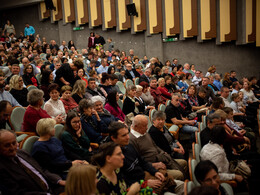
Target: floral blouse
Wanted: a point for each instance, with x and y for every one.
(106, 187)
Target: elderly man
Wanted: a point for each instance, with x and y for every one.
(217, 82)
(145, 146)
(131, 73)
(5, 112)
(163, 138)
(63, 45)
(21, 174)
(197, 79)
(186, 69)
(174, 115)
(135, 167)
(146, 76)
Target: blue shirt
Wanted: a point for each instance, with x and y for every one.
(102, 69)
(218, 84)
(29, 31)
(5, 95)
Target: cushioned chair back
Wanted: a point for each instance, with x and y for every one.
(190, 185)
(17, 118)
(162, 107)
(121, 86)
(227, 188)
(168, 102)
(120, 103)
(128, 83)
(38, 77)
(149, 122)
(197, 152)
(151, 112)
(28, 144)
(204, 123)
(21, 137)
(192, 164)
(117, 73)
(198, 139)
(58, 130)
(30, 87)
(137, 81)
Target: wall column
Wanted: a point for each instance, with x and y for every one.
(65, 32)
(154, 46)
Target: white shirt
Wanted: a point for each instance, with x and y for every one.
(136, 134)
(55, 108)
(227, 104)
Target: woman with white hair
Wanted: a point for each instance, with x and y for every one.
(18, 91)
(48, 150)
(104, 115)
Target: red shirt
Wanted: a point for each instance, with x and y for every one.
(31, 117)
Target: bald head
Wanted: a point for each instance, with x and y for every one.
(8, 144)
(140, 124)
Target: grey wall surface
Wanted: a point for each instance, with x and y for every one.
(228, 56)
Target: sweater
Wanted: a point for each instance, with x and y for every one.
(116, 113)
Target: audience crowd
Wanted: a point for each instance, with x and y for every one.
(117, 110)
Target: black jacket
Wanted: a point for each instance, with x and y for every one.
(129, 76)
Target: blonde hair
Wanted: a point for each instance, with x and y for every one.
(160, 80)
(139, 88)
(81, 180)
(79, 87)
(14, 82)
(44, 126)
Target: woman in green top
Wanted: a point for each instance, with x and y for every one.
(110, 181)
(74, 140)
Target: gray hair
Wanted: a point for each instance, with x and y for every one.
(158, 114)
(139, 88)
(138, 66)
(34, 96)
(45, 126)
(129, 88)
(211, 117)
(97, 98)
(176, 94)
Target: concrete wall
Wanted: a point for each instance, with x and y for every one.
(244, 59)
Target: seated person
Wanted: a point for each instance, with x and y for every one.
(215, 152)
(113, 107)
(146, 95)
(34, 111)
(78, 92)
(108, 171)
(74, 140)
(54, 107)
(17, 168)
(92, 125)
(163, 89)
(135, 167)
(105, 85)
(93, 90)
(5, 113)
(206, 172)
(29, 77)
(156, 93)
(104, 115)
(48, 150)
(183, 85)
(163, 138)
(18, 91)
(129, 105)
(174, 115)
(145, 146)
(142, 107)
(217, 103)
(68, 102)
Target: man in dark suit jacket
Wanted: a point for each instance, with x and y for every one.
(21, 174)
(131, 73)
(146, 76)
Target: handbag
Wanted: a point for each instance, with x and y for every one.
(241, 168)
(129, 119)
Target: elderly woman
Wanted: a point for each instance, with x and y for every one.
(92, 125)
(54, 107)
(163, 89)
(74, 140)
(143, 109)
(18, 91)
(48, 150)
(113, 107)
(78, 92)
(129, 105)
(34, 112)
(146, 95)
(104, 115)
(68, 102)
(163, 138)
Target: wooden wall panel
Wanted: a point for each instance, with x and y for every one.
(155, 16)
(109, 17)
(250, 21)
(81, 8)
(44, 13)
(57, 15)
(258, 23)
(140, 21)
(190, 18)
(123, 18)
(172, 17)
(95, 12)
(208, 19)
(227, 20)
